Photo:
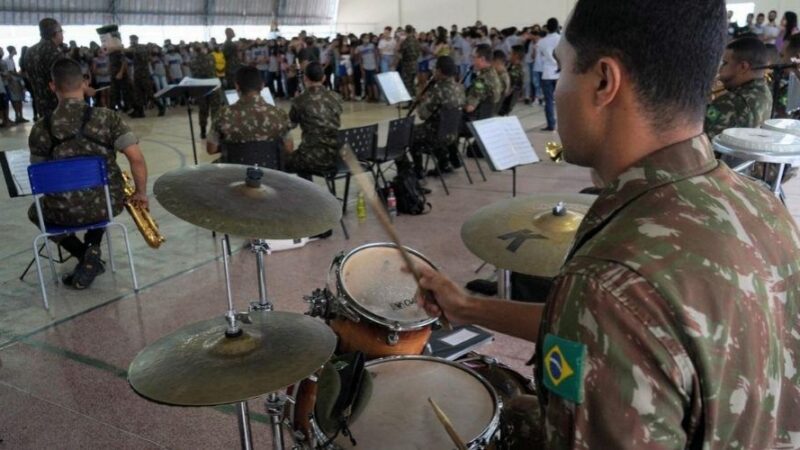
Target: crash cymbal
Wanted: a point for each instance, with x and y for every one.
(217, 197)
(199, 366)
(528, 235)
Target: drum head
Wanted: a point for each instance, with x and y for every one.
(788, 126)
(756, 139)
(399, 416)
(373, 280)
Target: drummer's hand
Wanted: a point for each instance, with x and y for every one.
(443, 295)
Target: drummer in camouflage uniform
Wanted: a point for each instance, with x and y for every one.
(203, 66)
(76, 129)
(673, 323)
(445, 92)
(251, 119)
(318, 112)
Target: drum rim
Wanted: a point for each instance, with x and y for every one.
(756, 155)
(344, 296)
(491, 429)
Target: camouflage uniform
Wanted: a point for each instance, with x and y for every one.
(142, 81)
(446, 93)
(746, 106)
(251, 119)
(104, 135)
(231, 52)
(38, 61)
(409, 54)
(485, 87)
(673, 323)
(516, 81)
(203, 66)
(318, 112)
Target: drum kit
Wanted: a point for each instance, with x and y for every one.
(368, 305)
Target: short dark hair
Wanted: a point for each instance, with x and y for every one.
(498, 55)
(671, 50)
(314, 72)
(484, 51)
(48, 27)
(518, 49)
(552, 25)
(249, 80)
(66, 74)
(447, 66)
(750, 50)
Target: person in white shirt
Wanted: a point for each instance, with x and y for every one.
(758, 27)
(771, 29)
(386, 48)
(544, 54)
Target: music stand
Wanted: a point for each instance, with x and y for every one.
(194, 89)
(14, 164)
(504, 142)
(393, 89)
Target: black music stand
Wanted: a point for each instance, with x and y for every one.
(188, 92)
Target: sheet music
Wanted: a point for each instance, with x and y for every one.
(164, 91)
(18, 162)
(505, 142)
(233, 96)
(793, 99)
(393, 88)
(189, 81)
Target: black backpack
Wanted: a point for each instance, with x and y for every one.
(408, 192)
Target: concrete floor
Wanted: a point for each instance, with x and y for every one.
(63, 372)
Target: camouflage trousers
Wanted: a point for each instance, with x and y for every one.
(208, 104)
(426, 143)
(142, 92)
(408, 73)
(311, 159)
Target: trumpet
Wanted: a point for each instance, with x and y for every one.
(144, 221)
(555, 151)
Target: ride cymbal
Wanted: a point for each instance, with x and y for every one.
(219, 197)
(530, 235)
(199, 366)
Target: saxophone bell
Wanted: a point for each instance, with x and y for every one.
(555, 151)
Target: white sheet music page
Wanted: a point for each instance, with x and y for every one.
(18, 162)
(393, 88)
(505, 141)
(233, 96)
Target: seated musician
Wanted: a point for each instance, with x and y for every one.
(444, 92)
(76, 129)
(251, 119)
(318, 112)
(673, 322)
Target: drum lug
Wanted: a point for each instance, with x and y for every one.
(393, 338)
(317, 303)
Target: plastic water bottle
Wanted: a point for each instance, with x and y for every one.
(391, 204)
(361, 207)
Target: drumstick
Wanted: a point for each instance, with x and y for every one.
(383, 217)
(448, 426)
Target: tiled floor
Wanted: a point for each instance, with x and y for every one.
(63, 373)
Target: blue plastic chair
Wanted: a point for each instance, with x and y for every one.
(67, 175)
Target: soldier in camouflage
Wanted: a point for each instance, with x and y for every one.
(142, 80)
(74, 129)
(516, 78)
(409, 52)
(486, 86)
(445, 92)
(231, 52)
(251, 119)
(318, 112)
(39, 60)
(673, 322)
(203, 66)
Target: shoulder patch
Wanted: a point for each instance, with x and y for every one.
(563, 370)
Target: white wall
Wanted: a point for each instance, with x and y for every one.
(359, 16)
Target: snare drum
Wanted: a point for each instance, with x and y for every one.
(399, 416)
(374, 310)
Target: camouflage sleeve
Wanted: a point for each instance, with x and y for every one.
(721, 115)
(425, 109)
(39, 143)
(283, 120)
(121, 134)
(615, 374)
(215, 133)
(295, 115)
(476, 93)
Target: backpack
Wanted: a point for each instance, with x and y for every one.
(408, 192)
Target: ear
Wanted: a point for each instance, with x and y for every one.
(608, 80)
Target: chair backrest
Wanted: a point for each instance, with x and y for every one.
(399, 137)
(64, 175)
(485, 110)
(449, 123)
(265, 154)
(363, 141)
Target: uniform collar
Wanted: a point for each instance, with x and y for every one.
(250, 99)
(71, 103)
(750, 84)
(671, 164)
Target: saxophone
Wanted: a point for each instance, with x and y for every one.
(555, 151)
(144, 221)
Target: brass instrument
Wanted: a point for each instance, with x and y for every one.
(555, 151)
(144, 221)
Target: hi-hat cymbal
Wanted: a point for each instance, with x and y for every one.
(199, 366)
(529, 235)
(216, 197)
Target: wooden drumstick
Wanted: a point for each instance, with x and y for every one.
(383, 217)
(448, 426)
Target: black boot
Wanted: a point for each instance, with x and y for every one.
(202, 131)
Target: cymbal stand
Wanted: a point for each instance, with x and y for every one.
(260, 247)
(242, 413)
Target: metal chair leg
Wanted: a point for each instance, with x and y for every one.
(110, 251)
(50, 260)
(130, 257)
(39, 271)
(480, 168)
(344, 229)
(440, 174)
(346, 193)
(464, 164)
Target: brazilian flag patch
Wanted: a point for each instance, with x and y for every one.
(564, 367)
(712, 114)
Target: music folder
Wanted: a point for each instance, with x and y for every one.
(504, 142)
(194, 87)
(393, 88)
(14, 164)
